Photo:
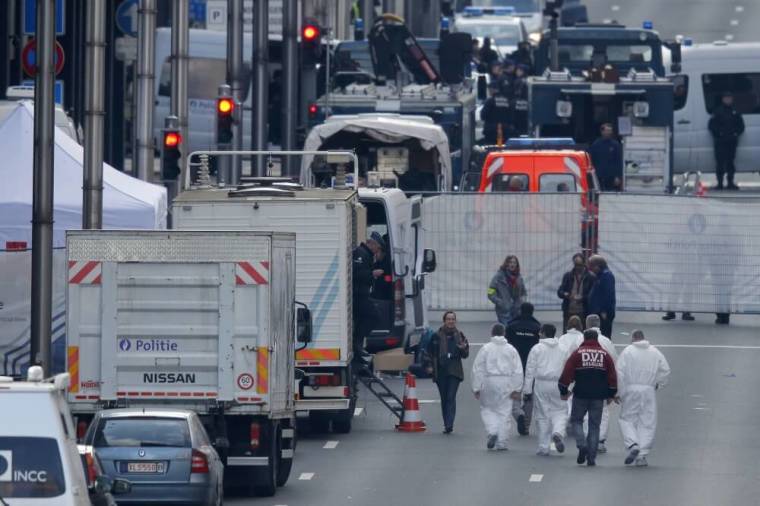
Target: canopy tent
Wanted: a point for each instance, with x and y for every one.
(387, 128)
(127, 202)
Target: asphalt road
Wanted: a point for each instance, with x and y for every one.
(705, 451)
(702, 20)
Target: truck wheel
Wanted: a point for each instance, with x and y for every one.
(318, 423)
(286, 464)
(266, 485)
(341, 424)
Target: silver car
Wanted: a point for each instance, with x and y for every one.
(165, 454)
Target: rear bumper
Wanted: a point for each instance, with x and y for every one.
(322, 404)
(175, 493)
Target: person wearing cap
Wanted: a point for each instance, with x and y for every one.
(726, 126)
(496, 114)
(363, 276)
(642, 369)
(592, 371)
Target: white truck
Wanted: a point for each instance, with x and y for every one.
(328, 224)
(194, 320)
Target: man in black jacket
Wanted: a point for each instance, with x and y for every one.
(607, 156)
(496, 113)
(363, 276)
(726, 126)
(574, 290)
(523, 334)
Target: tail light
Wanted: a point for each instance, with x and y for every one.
(255, 436)
(81, 429)
(92, 473)
(392, 341)
(313, 110)
(199, 464)
(325, 380)
(399, 309)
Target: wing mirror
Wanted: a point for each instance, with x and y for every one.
(428, 261)
(303, 325)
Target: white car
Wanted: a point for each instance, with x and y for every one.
(529, 11)
(39, 461)
(505, 30)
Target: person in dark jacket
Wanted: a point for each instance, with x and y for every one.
(382, 284)
(487, 54)
(507, 289)
(607, 158)
(574, 290)
(519, 102)
(601, 298)
(523, 56)
(523, 333)
(447, 349)
(593, 372)
(726, 126)
(496, 114)
(363, 276)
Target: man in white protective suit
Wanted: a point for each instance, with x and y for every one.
(594, 322)
(497, 378)
(573, 338)
(641, 369)
(545, 364)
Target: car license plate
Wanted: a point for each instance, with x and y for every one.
(145, 467)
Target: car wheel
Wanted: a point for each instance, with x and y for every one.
(318, 423)
(267, 485)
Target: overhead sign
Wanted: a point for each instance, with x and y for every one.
(29, 58)
(126, 17)
(216, 16)
(57, 89)
(30, 17)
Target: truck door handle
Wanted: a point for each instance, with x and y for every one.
(684, 122)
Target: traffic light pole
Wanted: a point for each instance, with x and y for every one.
(234, 77)
(92, 209)
(260, 133)
(42, 206)
(290, 80)
(180, 46)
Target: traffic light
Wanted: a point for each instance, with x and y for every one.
(170, 155)
(225, 118)
(311, 42)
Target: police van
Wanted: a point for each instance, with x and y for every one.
(709, 71)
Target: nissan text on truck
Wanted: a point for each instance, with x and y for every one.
(194, 320)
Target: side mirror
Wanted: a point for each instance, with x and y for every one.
(303, 325)
(428, 261)
(675, 55)
(120, 487)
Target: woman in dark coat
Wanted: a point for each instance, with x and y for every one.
(447, 349)
(574, 290)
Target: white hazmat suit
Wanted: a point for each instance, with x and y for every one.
(641, 369)
(545, 363)
(606, 343)
(570, 341)
(496, 373)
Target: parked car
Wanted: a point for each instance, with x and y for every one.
(100, 487)
(165, 454)
(39, 461)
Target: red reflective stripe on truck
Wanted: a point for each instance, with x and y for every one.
(262, 370)
(251, 273)
(84, 273)
(318, 354)
(161, 394)
(73, 359)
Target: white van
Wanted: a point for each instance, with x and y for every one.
(39, 460)
(709, 70)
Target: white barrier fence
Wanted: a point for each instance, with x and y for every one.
(473, 233)
(682, 253)
(15, 310)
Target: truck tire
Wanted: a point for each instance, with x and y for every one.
(286, 464)
(341, 424)
(266, 484)
(318, 422)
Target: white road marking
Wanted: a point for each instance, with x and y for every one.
(306, 476)
(536, 478)
(428, 401)
(330, 445)
(734, 22)
(701, 409)
(615, 8)
(697, 395)
(606, 21)
(739, 8)
(729, 37)
(358, 411)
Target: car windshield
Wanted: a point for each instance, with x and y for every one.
(30, 467)
(556, 183)
(502, 35)
(143, 431)
(521, 6)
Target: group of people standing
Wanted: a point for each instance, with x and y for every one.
(526, 374)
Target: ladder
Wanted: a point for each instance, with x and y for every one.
(379, 389)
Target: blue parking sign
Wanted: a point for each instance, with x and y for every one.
(57, 89)
(30, 17)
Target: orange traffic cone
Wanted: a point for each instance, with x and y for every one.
(412, 420)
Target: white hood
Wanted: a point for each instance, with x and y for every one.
(643, 344)
(549, 341)
(499, 340)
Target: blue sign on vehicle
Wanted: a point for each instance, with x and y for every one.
(57, 89)
(198, 12)
(126, 17)
(30, 17)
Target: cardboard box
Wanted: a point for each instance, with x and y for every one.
(392, 360)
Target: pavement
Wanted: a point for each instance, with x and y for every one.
(705, 452)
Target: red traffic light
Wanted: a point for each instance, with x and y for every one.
(313, 110)
(310, 32)
(172, 139)
(225, 106)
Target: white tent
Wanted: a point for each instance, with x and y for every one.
(390, 128)
(128, 203)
